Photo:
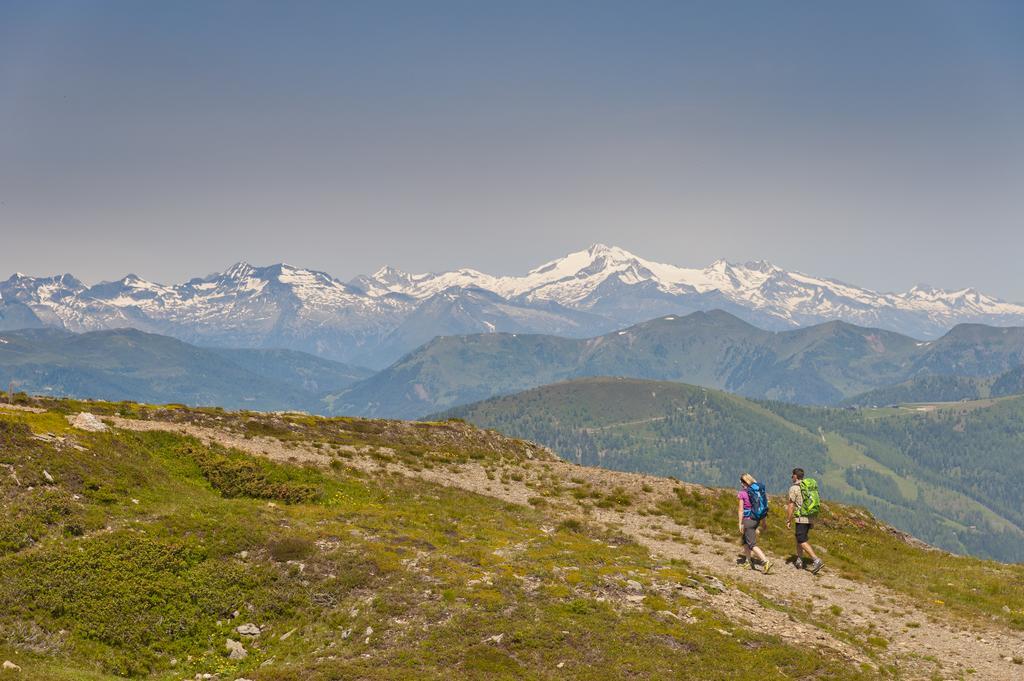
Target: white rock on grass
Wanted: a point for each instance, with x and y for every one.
(248, 629)
(236, 651)
(87, 421)
(10, 666)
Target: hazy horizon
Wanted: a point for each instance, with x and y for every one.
(877, 144)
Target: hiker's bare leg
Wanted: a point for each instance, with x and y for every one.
(760, 554)
(805, 547)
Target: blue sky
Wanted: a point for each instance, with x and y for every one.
(880, 143)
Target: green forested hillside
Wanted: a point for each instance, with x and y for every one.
(943, 388)
(963, 459)
(658, 427)
(946, 476)
(926, 388)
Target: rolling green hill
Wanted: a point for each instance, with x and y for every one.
(945, 476)
(822, 364)
(924, 388)
(132, 365)
(942, 388)
(657, 427)
(198, 543)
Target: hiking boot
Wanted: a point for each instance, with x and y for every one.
(816, 566)
(798, 563)
(741, 560)
(767, 569)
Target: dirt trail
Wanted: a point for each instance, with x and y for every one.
(21, 407)
(919, 644)
(598, 429)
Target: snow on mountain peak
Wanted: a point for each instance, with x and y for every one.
(240, 270)
(572, 279)
(599, 287)
(389, 273)
(762, 266)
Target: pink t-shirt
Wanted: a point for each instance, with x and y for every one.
(745, 498)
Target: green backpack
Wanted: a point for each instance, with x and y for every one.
(812, 504)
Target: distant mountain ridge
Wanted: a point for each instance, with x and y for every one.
(376, 319)
(612, 281)
(822, 364)
(127, 364)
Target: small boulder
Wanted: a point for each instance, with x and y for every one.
(87, 421)
(236, 651)
(9, 666)
(715, 583)
(248, 629)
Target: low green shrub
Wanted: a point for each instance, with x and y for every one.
(243, 476)
(288, 548)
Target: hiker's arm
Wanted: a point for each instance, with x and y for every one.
(739, 512)
(789, 512)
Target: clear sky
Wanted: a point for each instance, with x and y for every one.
(880, 143)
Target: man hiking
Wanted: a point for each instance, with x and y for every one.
(803, 504)
(751, 510)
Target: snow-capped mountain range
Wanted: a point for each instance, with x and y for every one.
(375, 319)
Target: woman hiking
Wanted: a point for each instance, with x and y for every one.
(750, 519)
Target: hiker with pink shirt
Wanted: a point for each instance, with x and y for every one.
(752, 511)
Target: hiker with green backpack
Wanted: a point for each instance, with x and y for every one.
(803, 506)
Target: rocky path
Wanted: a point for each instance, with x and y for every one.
(919, 644)
(21, 407)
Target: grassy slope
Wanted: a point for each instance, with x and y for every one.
(146, 545)
(863, 550)
(708, 437)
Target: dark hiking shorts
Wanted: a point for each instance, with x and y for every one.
(801, 531)
(750, 531)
